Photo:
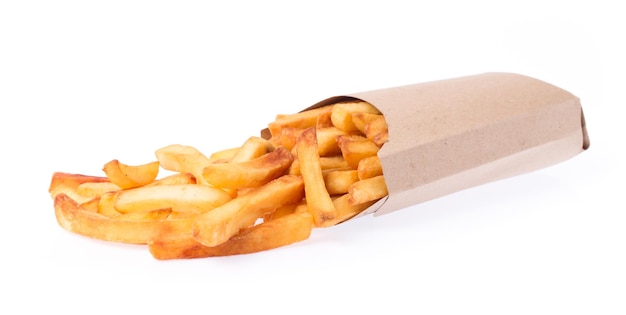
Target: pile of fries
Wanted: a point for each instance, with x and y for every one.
(314, 169)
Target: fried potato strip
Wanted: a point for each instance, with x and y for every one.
(286, 230)
(217, 226)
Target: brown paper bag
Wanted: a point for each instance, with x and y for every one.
(449, 135)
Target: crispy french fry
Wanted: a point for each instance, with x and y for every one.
(354, 148)
(71, 181)
(159, 214)
(177, 225)
(367, 190)
(106, 204)
(284, 210)
(341, 116)
(217, 226)
(175, 179)
(91, 189)
(339, 182)
(324, 120)
(286, 230)
(223, 156)
(91, 205)
(317, 197)
(181, 198)
(71, 192)
(358, 106)
(75, 219)
(183, 159)
(326, 162)
(294, 168)
(361, 120)
(301, 120)
(333, 162)
(130, 176)
(68, 183)
(182, 246)
(347, 210)
(342, 119)
(369, 167)
(251, 149)
(376, 130)
(250, 174)
(327, 141)
(286, 138)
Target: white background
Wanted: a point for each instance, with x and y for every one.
(85, 82)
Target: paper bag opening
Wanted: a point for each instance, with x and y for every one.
(450, 135)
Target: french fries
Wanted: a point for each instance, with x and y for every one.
(71, 216)
(355, 148)
(216, 227)
(182, 198)
(318, 200)
(282, 231)
(312, 169)
(127, 176)
(249, 174)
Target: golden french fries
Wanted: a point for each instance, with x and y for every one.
(302, 120)
(354, 148)
(367, 190)
(347, 209)
(339, 181)
(92, 190)
(127, 176)
(318, 199)
(217, 226)
(253, 148)
(106, 204)
(71, 181)
(183, 159)
(248, 174)
(341, 115)
(71, 216)
(287, 229)
(369, 167)
(181, 198)
(311, 169)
